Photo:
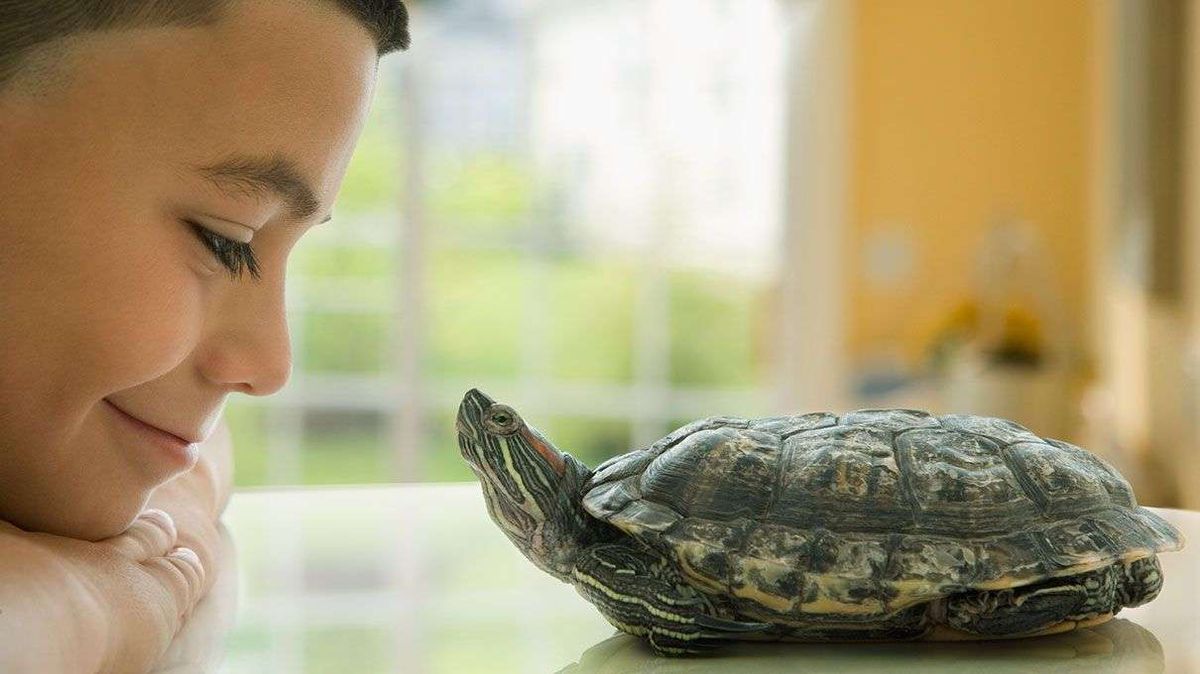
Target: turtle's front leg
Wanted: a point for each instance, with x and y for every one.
(640, 594)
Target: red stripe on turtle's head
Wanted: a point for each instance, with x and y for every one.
(546, 450)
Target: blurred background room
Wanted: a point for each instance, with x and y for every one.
(620, 215)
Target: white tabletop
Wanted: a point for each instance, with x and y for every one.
(416, 578)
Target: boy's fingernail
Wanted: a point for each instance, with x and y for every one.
(186, 553)
(160, 517)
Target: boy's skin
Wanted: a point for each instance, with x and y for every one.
(109, 298)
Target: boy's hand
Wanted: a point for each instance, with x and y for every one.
(200, 644)
(124, 597)
(150, 605)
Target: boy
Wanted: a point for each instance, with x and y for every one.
(158, 161)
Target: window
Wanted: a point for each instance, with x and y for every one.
(574, 206)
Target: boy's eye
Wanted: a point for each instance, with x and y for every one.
(233, 255)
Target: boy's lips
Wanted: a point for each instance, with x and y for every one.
(190, 438)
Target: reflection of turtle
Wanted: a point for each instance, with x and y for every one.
(879, 524)
(1116, 647)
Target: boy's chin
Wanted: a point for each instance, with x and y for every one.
(91, 524)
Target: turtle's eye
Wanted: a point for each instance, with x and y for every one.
(502, 420)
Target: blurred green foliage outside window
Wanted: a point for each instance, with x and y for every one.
(514, 298)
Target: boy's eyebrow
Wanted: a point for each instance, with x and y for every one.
(255, 176)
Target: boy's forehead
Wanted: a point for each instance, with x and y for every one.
(290, 79)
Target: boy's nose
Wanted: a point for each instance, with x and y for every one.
(249, 349)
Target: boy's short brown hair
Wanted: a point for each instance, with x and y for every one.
(30, 26)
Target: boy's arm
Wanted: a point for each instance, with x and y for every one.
(50, 617)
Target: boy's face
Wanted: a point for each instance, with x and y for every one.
(108, 298)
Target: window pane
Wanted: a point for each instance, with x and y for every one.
(440, 459)
(486, 194)
(589, 440)
(591, 307)
(475, 313)
(345, 342)
(247, 426)
(716, 330)
(342, 260)
(345, 447)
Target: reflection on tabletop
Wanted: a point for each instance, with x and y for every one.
(1119, 646)
(418, 579)
(200, 645)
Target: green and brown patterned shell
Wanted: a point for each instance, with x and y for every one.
(871, 512)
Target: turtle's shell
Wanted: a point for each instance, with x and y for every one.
(871, 512)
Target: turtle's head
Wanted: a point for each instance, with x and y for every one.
(532, 489)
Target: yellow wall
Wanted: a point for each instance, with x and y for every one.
(962, 108)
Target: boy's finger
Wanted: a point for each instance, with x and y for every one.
(151, 535)
(181, 575)
(187, 561)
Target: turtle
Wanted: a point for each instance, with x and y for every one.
(872, 525)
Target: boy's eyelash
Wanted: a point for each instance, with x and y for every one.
(234, 255)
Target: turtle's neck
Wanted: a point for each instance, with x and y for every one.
(571, 529)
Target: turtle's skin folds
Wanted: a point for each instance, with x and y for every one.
(878, 524)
